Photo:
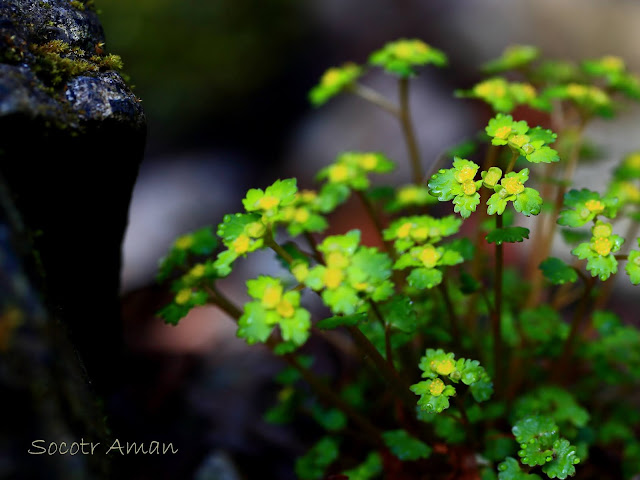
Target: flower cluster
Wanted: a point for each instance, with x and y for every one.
(458, 184)
(511, 189)
(350, 274)
(599, 251)
(504, 96)
(334, 81)
(273, 306)
(513, 57)
(351, 169)
(531, 143)
(438, 366)
(409, 196)
(403, 56)
(584, 206)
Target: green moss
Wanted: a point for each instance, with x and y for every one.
(58, 62)
(76, 4)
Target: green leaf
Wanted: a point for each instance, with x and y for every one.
(331, 419)
(602, 267)
(404, 446)
(531, 454)
(482, 390)
(399, 313)
(510, 470)
(553, 402)
(313, 464)
(513, 57)
(496, 204)
(539, 134)
(543, 155)
(341, 321)
(444, 185)
(465, 205)
(508, 235)
(528, 202)
(256, 323)
(295, 329)
(432, 403)
(422, 278)
(368, 470)
(538, 428)
(565, 457)
(633, 267)
(558, 272)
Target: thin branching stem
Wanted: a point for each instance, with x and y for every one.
(562, 365)
(409, 134)
(317, 385)
(496, 318)
(372, 96)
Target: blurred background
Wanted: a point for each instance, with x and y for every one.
(224, 86)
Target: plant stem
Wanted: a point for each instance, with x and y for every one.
(329, 396)
(318, 386)
(314, 247)
(512, 162)
(407, 129)
(547, 242)
(453, 318)
(496, 319)
(563, 363)
(273, 245)
(387, 333)
(382, 367)
(375, 98)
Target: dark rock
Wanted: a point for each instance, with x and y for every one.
(72, 139)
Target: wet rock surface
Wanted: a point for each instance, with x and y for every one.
(72, 139)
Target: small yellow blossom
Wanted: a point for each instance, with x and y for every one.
(330, 78)
(465, 174)
(197, 271)
(300, 272)
(361, 286)
(272, 296)
(469, 187)
(301, 215)
(437, 387)
(576, 90)
(368, 161)
(408, 195)
(404, 230)
(285, 309)
(602, 246)
(519, 140)
(612, 62)
(307, 196)
(595, 206)
(333, 278)
(512, 185)
(337, 260)
(183, 296)
(429, 256)
(443, 367)
(503, 132)
(420, 233)
(241, 244)
(184, 242)
(256, 229)
(602, 230)
(338, 173)
(268, 202)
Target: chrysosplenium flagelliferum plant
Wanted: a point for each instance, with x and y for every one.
(470, 366)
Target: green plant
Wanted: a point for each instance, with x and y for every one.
(474, 365)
